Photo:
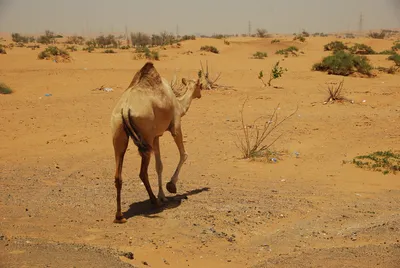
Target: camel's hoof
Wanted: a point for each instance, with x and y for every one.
(157, 203)
(120, 220)
(163, 199)
(171, 187)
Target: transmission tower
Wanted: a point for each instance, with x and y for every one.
(249, 28)
(360, 23)
(126, 35)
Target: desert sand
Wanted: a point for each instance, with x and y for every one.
(312, 208)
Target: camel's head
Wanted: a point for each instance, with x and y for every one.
(193, 85)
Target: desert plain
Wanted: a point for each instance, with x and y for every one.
(309, 207)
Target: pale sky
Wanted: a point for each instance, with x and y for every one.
(196, 16)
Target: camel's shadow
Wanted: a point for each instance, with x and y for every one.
(147, 209)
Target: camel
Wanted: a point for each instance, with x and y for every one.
(146, 109)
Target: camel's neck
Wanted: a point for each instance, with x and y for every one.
(185, 100)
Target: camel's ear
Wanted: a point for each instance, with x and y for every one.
(184, 81)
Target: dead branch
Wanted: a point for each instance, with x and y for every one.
(98, 88)
(208, 83)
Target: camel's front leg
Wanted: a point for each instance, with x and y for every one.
(159, 168)
(178, 137)
(145, 177)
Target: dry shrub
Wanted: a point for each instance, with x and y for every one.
(211, 49)
(335, 93)
(388, 70)
(258, 138)
(206, 81)
(2, 50)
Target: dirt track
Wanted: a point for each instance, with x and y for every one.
(57, 195)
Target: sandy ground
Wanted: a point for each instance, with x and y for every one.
(57, 194)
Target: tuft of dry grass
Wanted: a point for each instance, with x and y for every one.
(335, 93)
(257, 137)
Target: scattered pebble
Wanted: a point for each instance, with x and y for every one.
(128, 255)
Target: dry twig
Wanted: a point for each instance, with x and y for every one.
(254, 136)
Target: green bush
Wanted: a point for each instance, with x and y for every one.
(109, 51)
(53, 51)
(125, 47)
(320, 34)
(17, 38)
(343, 63)
(335, 46)
(75, 40)
(140, 39)
(382, 161)
(142, 49)
(71, 48)
(218, 36)
(275, 41)
(396, 46)
(377, 35)
(47, 38)
(299, 37)
(89, 49)
(106, 41)
(4, 89)
(210, 49)
(387, 52)
(362, 49)
(260, 55)
(152, 55)
(292, 50)
(188, 37)
(395, 58)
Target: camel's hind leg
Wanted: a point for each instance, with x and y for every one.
(145, 177)
(120, 142)
(159, 168)
(171, 186)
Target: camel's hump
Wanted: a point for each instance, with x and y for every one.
(147, 75)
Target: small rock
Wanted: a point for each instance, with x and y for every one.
(145, 263)
(128, 255)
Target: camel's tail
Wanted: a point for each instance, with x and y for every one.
(131, 130)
